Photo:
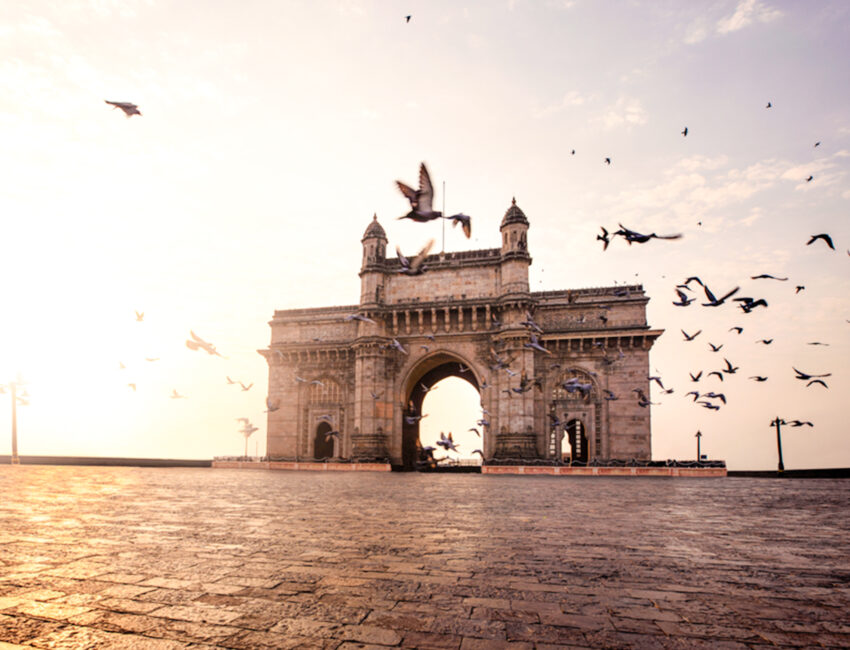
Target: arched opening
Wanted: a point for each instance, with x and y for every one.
(578, 440)
(453, 406)
(431, 372)
(323, 445)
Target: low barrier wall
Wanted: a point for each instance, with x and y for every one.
(702, 472)
(297, 465)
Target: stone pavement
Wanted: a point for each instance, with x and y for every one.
(94, 557)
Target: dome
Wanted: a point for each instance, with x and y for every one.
(374, 229)
(514, 215)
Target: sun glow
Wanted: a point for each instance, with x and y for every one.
(452, 406)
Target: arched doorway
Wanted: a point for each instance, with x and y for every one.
(323, 444)
(427, 374)
(578, 440)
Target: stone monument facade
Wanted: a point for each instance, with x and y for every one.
(465, 316)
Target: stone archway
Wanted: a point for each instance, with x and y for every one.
(422, 377)
(323, 445)
(577, 435)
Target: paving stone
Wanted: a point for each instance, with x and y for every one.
(207, 558)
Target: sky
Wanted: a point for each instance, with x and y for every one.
(271, 132)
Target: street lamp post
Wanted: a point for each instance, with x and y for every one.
(778, 422)
(12, 389)
(698, 436)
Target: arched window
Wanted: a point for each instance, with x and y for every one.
(325, 392)
(323, 444)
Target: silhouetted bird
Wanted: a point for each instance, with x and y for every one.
(716, 372)
(810, 179)
(769, 105)
(767, 276)
(129, 109)
(603, 238)
(736, 329)
(635, 237)
(684, 301)
(716, 302)
(798, 423)
(817, 144)
(421, 199)
(607, 161)
(823, 236)
(691, 337)
(198, 343)
(535, 344)
(765, 341)
(806, 376)
(758, 378)
(799, 288)
(446, 442)
(715, 348)
(695, 393)
(695, 377)
(748, 304)
(730, 369)
(407, 19)
(817, 381)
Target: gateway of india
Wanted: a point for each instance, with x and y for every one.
(462, 317)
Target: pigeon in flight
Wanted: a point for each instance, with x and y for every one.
(806, 376)
(691, 337)
(198, 343)
(129, 108)
(716, 302)
(684, 301)
(767, 276)
(769, 105)
(810, 178)
(414, 266)
(817, 381)
(799, 288)
(133, 386)
(421, 200)
(246, 388)
(140, 316)
(465, 222)
(607, 161)
(446, 442)
(765, 341)
(798, 423)
(176, 395)
(603, 238)
(748, 304)
(823, 236)
(271, 407)
(715, 348)
(817, 144)
(685, 132)
(695, 377)
(635, 237)
(535, 344)
(360, 317)
(730, 369)
(407, 19)
(398, 346)
(736, 329)
(759, 378)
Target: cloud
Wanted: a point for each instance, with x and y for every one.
(571, 99)
(746, 12)
(696, 32)
(626, 112)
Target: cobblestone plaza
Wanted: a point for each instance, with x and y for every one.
(173, 558)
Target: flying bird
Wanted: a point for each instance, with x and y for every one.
(246, 388)
(198, 343)
(398, 346)
(603, 238)
(632, 236)
(465, 222)
(133, 386)
(817, 144)
(129, 108)
(360, 317)
(767, 276)
(407, 19)
(176, 395)
(716, 302)
(817, 381)
(765, 341)
(799, 288)
(748, 304)
(271, 408)
(730, 369)
(806, 376)
(715, 348)
(810, 178)
(823, 236)
(414, 266)
(140, 316)
(758, 378)
(736, 329)
(684, 301)
(716, 372)
(607, 161)
(447, 442)
(695, 377)
(798, 423)
(691, 337)
(769, 105)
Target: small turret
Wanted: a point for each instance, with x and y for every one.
(371, 269)
(515, 257)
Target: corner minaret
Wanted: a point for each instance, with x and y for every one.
(372, 268)
(515, 257)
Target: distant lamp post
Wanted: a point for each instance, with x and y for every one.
(778, 422)
(13, 388)
(698, 436)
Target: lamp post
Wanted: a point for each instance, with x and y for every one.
(12, 388)
(778, 422)
(698, 436)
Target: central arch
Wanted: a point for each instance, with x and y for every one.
(425, 374)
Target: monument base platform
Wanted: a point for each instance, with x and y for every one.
(303, 465)
(560, 470)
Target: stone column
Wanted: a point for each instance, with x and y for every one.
(371, 424)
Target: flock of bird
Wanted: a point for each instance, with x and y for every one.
(196, 343)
